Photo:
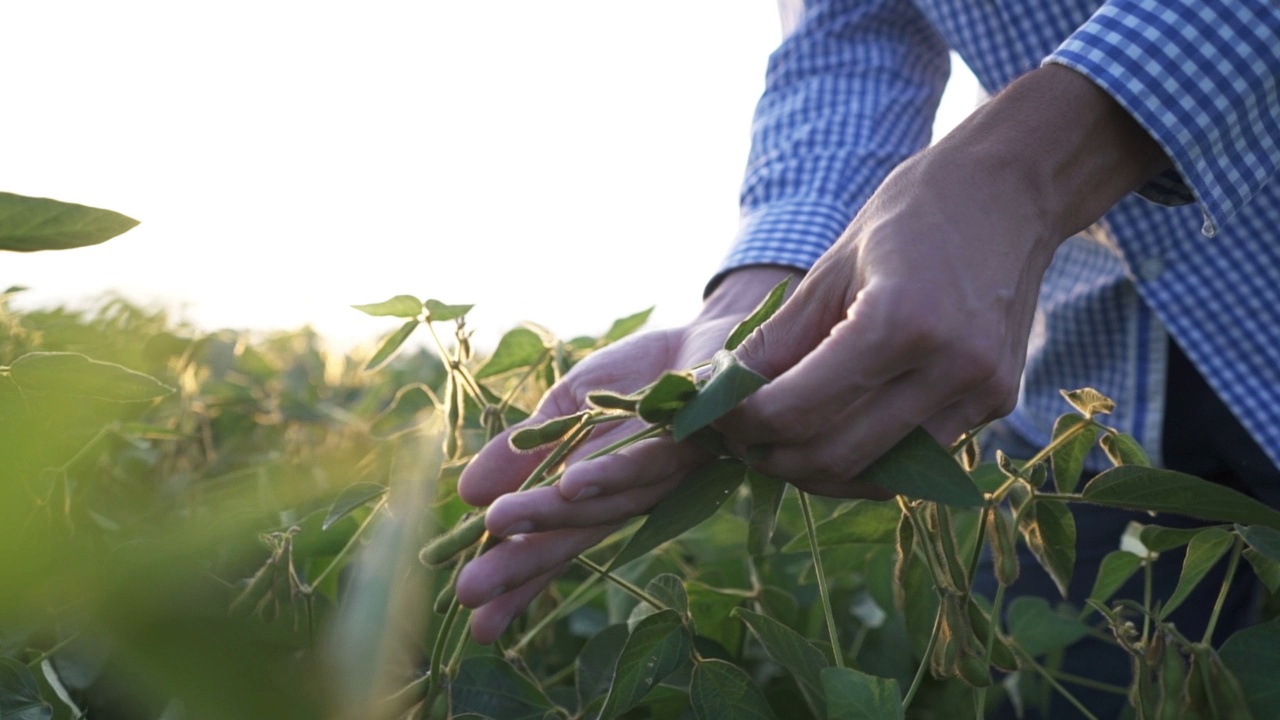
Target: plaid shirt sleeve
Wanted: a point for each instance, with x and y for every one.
(1203, 78)
(849, 95)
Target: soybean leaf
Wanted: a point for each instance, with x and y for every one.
(487, 686)
(1050, 532)
(405, 306)
(1123, 449)
(920, 468)
(518, 348)
(1116, 569)
(662, 400)
(68, 373)
(656, 647)
(766, 499)
(1068, 460)
(594, 665)
(1203, 552)
(1253, 656)
(730, 384)
(790, 650)
(722, 691)
(623, 327)
(390, 345)
(1088, 401)
(403, 413)
(1268, 570)
(668, 589)
(711, 609)
(862, 521)
(28, 224)
(763, 312)
(438, 311)
(694, 500)
(1143, 488)
(853, 695)
(353, 497)
(1263, 539)
(20, 693)
(1160, 539)
(1038, 629)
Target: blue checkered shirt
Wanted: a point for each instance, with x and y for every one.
(1194, 254)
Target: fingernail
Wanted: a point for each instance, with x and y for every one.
(517, 528)
(586, 493)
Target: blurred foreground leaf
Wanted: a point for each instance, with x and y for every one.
(28, 224)
(68, 373)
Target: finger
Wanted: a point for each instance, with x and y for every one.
(490, 620)
(544, 509)
(645, 463)
(519, 559)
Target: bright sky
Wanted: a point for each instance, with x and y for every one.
(566, 163)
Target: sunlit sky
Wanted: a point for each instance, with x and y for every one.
(564, 162)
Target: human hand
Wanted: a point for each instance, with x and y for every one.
(921, 312)
(545, 528)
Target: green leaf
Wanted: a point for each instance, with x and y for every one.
(1050, 532)
(763, 312)
(1123, 449)
(1038, 629)
(668, 589)
(1142, 488)
(28, 224)
(405, 306)
(1267, 570)
(404, 412)
(694, 500)
(1253, 656)
(1116, 569)
(1203, 552)
(1068, 460)
(487, 686)
(353, 497)
(861, 521)
(656, 648)
(1088, 401)
(1160, 539)
(594, 665)
(391, 345)
(20, 693)
(438, 311)
(853, 695)
(920, 468)
(67, 373)
(731, 383)
(722, 691)
(1263, 539)
(623, 327)
(662, 400)
(766, 499)
(519, 348)
(790, 650)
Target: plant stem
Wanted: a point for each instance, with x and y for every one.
(1049, 678)
(996, 606)
(821, 574)
(1090, 683)
(570, 603)
(1222, 594)
(354, 537)
(627, 587)
(53, 650)
(924, 662)
(437, 652)
(1147, 579)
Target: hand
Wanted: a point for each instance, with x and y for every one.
(920, 314)
(545, 528)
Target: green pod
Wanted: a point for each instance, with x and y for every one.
(1171, 681)
(535, 436)
(453, 401)
(971, 454)
(1001, 654)
(606, 400)
(448, 591)
(1226, 696)
(973, 667)
(906, 544)
(1004, 546)
(942, 663)
(462, 536)
(945, 542)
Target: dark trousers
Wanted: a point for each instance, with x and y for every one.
(1202, 438)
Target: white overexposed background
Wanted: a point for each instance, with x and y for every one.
(566, 163)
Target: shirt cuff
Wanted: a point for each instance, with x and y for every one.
(1203, 79)
(790, 234)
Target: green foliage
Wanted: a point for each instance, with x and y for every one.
(28, 224)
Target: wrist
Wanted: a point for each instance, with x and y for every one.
(739, 292)
(1063, 144)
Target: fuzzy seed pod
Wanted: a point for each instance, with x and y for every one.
(462, 536)
(1004, 546)
(535, 436)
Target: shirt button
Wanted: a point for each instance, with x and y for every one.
(1150, 268)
